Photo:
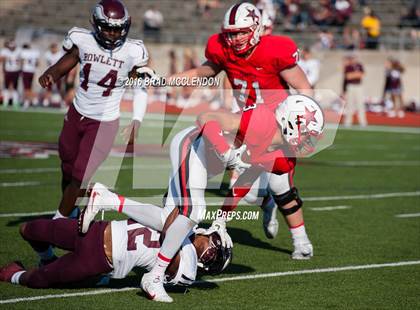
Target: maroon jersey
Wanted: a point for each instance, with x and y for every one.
(256, 78)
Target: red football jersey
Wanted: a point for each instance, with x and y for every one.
(257, 129)
(256, 78)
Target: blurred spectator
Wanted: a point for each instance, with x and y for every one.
(152, 23)
(353, 91)
(51, 57)
(10, 57)
(394, 86)
(410, 17)
(351, 38)
(204, 7)
(372, 26)
(294, 15)
(323, 13)
(266, 6)
(310, 66)
(343, 11)
(30, 61)
(173, 68)
(325, 40)
(386, 95)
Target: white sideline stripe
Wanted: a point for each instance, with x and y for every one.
(332, 208)
(192, 118)
(237, 278)
(26, 214)
(374, 196)
(105, 168)
(408, 215)
(19, 184)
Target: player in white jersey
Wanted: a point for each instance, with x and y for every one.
(10, 57)
(113, 248)
(52, 56)
(30, 61)
(107, 57)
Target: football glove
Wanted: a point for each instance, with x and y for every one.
(233, 159)
(219, 226)
(146, 73)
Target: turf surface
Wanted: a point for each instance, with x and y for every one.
(365, 232)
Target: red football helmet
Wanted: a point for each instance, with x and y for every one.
(111, 23)
(242, 27)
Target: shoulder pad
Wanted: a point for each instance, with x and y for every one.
(138, 52)
(74, 37)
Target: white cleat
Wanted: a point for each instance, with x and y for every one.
(303, 250)
(152, 286)
(96, 203)
(270, 223)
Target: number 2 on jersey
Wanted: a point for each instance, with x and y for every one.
(147, 239)
(108, 81)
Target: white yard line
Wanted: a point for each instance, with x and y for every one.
(192, 118)
(104, 168)
(370, 196)
(408, 215)
(218, 203)
(227, 279)
(330, 208)
(20, 184)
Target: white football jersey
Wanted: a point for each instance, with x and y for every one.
(52, 58)
(135, 245)
(12, 59)
(102, 73)
(29, 59)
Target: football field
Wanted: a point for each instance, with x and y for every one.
(362, 214)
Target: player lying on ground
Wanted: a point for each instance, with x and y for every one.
(194, 160)
(114, 247)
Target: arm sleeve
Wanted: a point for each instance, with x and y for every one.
(214, 51)
(139, 103)
(276, 162)
(287, 53)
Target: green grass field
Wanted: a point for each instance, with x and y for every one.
(363, 232)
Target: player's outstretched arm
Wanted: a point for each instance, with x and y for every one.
(61, 68)
(207, 69)
(297, 79)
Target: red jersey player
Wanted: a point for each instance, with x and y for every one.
(260, 69)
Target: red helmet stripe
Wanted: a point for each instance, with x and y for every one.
(233, 14)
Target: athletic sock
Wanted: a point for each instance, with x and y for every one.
(298, 232)
(174, 237)
(16, 276)
(15, 98)
(6, 97)
(58, 215)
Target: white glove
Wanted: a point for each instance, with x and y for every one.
(146, 73)
(233, 159)
(219, 226)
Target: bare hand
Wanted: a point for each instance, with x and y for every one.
(129, 133)
(46, 80)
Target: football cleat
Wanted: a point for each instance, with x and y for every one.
(96, 203)
(8, 271)
(270, 223)
(303, 249)
(152, 286)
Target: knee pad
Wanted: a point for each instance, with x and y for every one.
(284, 199)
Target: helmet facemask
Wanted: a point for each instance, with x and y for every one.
(215, 258)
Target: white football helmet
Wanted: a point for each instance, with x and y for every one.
(242, 17)
(302, 122)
